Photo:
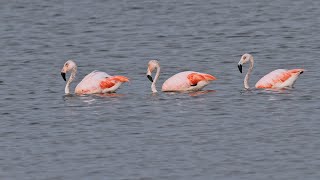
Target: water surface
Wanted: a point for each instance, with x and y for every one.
(222, 132)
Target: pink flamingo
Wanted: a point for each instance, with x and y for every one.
(183, 81)
(277, 79)
(95, 82)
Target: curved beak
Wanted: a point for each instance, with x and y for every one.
(240, 67)
(150, 78)
(63, 76)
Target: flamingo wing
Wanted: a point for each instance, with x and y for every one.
(279, 78)
(110, 84)
(194, 78)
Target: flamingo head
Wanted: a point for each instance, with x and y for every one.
(69, 65)
(244, 59)
(152, 65)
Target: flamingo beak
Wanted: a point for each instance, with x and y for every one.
(150, 78)
(149, 74)
(240, 67)
(63, 76)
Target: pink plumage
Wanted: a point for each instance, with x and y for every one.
(186, 81)
(279, 78)
(90, 84)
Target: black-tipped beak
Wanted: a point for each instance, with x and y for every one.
(150, 78)
(240, 67)
(63, 76)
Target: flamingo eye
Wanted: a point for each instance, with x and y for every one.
(244, 58)
(67, 64)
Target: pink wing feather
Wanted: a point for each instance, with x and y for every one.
(111, 81)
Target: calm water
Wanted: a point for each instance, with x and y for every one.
(221, 133)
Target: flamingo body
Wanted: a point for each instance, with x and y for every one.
(280, 78)
(99, 82)
(187, 81)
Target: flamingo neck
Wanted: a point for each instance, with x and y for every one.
(153, 85)
(246, 79)
(71, 78)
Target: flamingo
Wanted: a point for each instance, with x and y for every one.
(95, 82)
(277, 79)
(183, 81)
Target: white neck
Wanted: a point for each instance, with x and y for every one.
(71, 78)
(246, 79)
(153, 85)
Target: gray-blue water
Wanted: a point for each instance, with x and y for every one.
(224, 133)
